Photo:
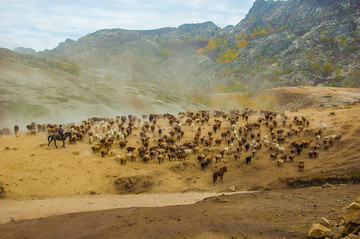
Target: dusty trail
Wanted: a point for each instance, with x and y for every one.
(22, 209)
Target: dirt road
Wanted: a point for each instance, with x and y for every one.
(21, 209)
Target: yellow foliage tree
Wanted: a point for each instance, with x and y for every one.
(263, 31)
(221, 88)
(227, 56)
(241, 44)
(211, 45)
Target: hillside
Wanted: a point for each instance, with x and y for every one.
(317, 44)
(49, 90)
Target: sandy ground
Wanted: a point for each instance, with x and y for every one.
(274, 214)
(23, 208)
(40, 181)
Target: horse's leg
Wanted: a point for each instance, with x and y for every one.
(214, 179)
(55, 143)
(63, 146)
(49, 142)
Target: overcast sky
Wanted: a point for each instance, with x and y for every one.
(43, 24)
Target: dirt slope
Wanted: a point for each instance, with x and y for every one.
(314, 97)
(30, 169)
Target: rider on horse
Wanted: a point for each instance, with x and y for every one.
(61, 131)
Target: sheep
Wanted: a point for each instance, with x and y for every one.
(218, 157)
(201, 157)
(266, 142)
(146, 158)
(91, 139)
(236, 157)
(273, 155)
(196, 149)
(122, 144)
(291, 157)
(104, 152)
(123, 160)
(96, 148)
(133, 157)
(117, 158)
(284, 157)
(218, 142)
(253, 152)
(301, 165)
(171, 156)
(323, 126)
(161, 158)
(112, 152)
(234, 127)
(248, 159)
(161, 151)
(181, 157)
(279, 149)
(206, 149)
(188, 151)
(205, 164)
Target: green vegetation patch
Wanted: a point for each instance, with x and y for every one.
(82, 99)
(57, 98)
(6, 92)
(22, 107)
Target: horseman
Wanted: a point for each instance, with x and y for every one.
(61, 131)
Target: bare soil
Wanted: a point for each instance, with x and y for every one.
(268, 214)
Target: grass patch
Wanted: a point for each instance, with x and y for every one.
(82, 99)
(56, 98)
(6, 92)
(23, 108)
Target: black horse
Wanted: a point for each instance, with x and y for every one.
(54, 137)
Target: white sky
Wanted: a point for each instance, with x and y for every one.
(43, 24)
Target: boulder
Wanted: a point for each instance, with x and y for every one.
(232, 188)
(351, 228)
(352, 213)
(317, 231)
(351, 236)
(325, 222)
(134, 184)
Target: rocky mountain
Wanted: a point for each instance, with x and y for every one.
(23, 50)
(278, 43)
(300, 42)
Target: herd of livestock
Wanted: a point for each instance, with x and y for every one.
(209, 136)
